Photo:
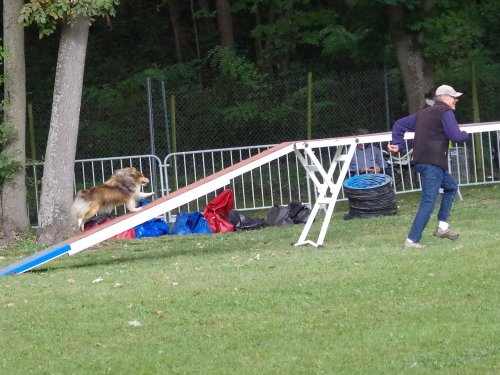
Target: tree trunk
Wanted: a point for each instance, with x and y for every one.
(413, 70)
(175, 19)
(259, 49)
(289, 51)
(225, 23)
(195, 29)
(207, 26)
(14, 212)
(416, 72)
(57, 186)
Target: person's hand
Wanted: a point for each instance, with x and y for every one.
(393, 148)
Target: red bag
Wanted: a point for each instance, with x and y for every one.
(217, 211)
(128, 234)
(98, 220)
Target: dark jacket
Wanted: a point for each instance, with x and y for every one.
(431, 141)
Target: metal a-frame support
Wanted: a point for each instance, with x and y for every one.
(328, 189)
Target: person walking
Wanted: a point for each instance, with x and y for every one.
(434, 126)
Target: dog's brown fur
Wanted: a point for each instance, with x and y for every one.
(123, 187)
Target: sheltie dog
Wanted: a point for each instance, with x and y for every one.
(123, 187)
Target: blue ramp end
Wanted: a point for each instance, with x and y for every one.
(35, 260)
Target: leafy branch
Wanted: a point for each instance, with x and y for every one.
(48, 13)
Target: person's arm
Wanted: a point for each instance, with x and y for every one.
(451, 128)
(401, 126)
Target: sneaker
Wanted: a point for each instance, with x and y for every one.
(448, 233)
(413, 245)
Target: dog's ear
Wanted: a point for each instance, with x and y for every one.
(119, 172)
(125, 172)
(129, 181)
(137, 174)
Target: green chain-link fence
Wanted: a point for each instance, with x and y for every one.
(229, 115)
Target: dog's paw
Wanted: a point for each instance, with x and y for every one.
(134, 209)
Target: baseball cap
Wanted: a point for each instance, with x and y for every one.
(447, 90)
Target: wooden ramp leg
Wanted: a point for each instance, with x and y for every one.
(327, 185)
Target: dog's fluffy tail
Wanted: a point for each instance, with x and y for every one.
(80, 206)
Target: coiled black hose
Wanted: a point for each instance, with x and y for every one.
(370, 195)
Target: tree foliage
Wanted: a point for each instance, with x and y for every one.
(274, 38)
(228, 65)
(47, 14)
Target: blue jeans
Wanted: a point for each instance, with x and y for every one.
(432, 178)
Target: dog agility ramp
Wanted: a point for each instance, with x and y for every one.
(326, 187)
(36, 259)
(154, 209)
(187, 194)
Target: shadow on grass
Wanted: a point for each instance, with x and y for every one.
(137, 249)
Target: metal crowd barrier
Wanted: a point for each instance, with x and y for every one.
(279, 182)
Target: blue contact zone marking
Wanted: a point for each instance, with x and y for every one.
(36, 259)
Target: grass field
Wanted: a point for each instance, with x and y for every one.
(250, 303)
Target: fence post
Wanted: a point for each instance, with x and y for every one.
(309, 105)
(174, 125)
(309, 130)
(150, 118)
(32, 131)
(475, 116)
(165, 114)
(151, 129)
(386, 95)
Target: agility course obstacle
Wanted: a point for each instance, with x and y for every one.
(327, 187)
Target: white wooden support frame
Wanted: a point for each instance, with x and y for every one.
(328, 189)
